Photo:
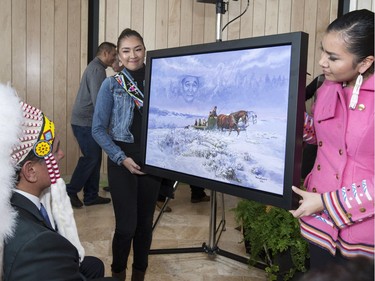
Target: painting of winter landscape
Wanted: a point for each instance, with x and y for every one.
(221, 116)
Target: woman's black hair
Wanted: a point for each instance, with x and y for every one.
(357, 31)
(126, 33)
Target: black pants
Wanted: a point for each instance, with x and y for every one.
(134, 198)
(320, 258)
(324, 266)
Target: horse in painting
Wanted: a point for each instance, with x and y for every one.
(241, 115)
(225, 121)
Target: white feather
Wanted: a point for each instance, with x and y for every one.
(10, 124)
(57, 203)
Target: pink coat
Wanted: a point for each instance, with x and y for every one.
(343, 172)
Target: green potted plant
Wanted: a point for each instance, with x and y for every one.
(274, 237)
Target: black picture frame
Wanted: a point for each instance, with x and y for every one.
(257, 156)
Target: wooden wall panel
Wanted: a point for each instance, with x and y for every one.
(272, 16)
(297, 19)
(84, 34)
(73, 76)
(334, 10)
(309, 26)
(209, 28)
(137, 16)
(284, 20)
(72, 149)
(174, 23)
(125, 12)
(323, 12)
(47, 56)
(247, 19)
(186, 22)
(149, 30)
(44, 42)
(17, 47)
(234, 28)
(6, 41)
(102, 20)
(161, 24)
(111, 26)
(198, 23)
(60, 74)
(259, 13)
(33, 52)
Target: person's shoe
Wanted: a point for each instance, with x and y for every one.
(138, 275)
(107, 188)
(120, 275)
(74, 200)
(205, 198)
(160, 204)
(97, 201)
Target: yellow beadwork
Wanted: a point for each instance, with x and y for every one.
(44, 146)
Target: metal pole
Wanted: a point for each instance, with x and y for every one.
(212, 233)
(220, 10)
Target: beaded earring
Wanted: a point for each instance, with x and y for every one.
(355, 94)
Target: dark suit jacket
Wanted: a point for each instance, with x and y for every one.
(37, 252)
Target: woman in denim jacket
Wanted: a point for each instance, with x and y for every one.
(117, 129)
(337, 209)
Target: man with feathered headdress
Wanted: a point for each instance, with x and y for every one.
(41, 240)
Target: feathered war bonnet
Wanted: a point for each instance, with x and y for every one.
(10, 125)
(37, 136)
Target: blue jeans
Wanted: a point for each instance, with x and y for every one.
(86, 175)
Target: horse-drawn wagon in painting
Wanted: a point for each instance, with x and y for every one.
(235, 121)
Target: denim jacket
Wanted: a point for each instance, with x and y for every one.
(113, 117)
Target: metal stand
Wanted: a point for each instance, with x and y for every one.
(220, 11)
(211, 248)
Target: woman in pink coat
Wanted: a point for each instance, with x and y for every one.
(337, 209)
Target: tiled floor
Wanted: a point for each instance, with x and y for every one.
(186, 227)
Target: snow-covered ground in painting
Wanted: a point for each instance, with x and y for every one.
(253, 159)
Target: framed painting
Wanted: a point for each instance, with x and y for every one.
(228, 116)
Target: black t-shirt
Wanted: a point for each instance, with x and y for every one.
(135, 129)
